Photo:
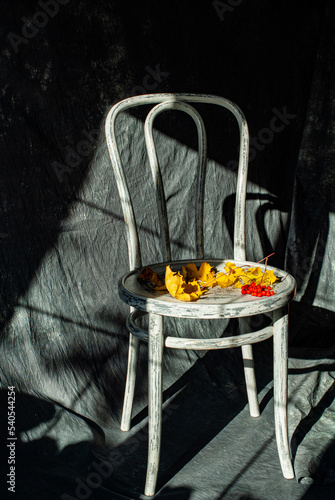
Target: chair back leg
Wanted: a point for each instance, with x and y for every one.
(250, 380)
(133, 352)
(249, 369)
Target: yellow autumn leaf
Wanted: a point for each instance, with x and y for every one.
(194, 282)
(179, 288)
(149, 274)
(269, 278)
(232, 268)
(191, 271)
(184, 271)
(205, 274)
(224, 280)
(231, 275)
(257, 276)
(252, 274)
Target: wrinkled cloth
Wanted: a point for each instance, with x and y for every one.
(63, 245)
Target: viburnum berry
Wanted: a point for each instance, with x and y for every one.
(257, 290)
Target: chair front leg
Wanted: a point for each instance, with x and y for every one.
(155, 357)
(280, 360)
(133, 352)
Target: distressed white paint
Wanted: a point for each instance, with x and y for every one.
(133, 354)
(248, 363)
(221, 343)
(280, 360)
(216, 303)
(155, 356)
(127, 207)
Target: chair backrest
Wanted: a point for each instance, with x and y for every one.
(162, 102)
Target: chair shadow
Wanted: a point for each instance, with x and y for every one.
(197, 407)
(41, 470)
(325, 491)
(96, 368)
(271, 203)
(305, 321)
(313, 416)
(319, 489)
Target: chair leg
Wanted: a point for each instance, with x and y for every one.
(280, 360)
(155, 353)
(250, 380)
(133, 352)
(249, 370)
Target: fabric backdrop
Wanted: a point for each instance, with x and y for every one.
(63, 247)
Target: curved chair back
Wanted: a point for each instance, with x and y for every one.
(181, 102)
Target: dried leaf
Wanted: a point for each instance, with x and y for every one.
(231, 276)
(224, 280)
(149, 275)
(193, 282)
(257, 276)
(205, 274)
(269, 278)
(179, 288)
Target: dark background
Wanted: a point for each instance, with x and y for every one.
(62, 243)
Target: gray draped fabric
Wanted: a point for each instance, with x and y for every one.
(63, 340)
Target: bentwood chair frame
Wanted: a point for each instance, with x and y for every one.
(142, 301)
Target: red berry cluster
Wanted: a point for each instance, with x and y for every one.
(257, 290)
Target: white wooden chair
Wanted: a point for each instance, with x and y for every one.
(212, 305)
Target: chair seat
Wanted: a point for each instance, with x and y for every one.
(215, 303)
